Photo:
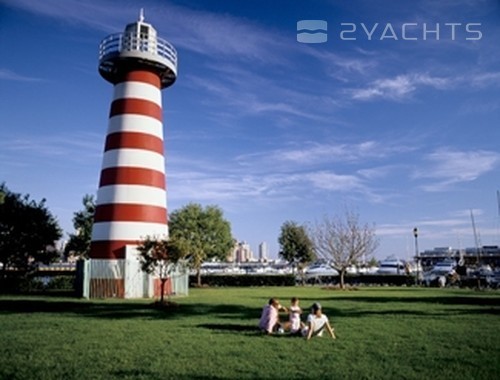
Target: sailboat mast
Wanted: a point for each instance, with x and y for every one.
(476, 236)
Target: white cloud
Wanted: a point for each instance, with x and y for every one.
(378, 172)
(345, 67)
(404, 86)
(203, 32)
(449, 167)
(331, 181)
(467, 213)
(6, 74)
(252, 94)
(398, 88)
(312, 153)
(445, 229)
(256, 182)
(483, 79)
(100, 15)
(74, 147)
(213, 34)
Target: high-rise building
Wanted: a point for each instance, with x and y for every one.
(263, 252)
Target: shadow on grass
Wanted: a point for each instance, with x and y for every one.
(425, 306)
(248, 330)
(124, 310)
(143, 310)
(443, 300)
(405, 312)
(231, 328)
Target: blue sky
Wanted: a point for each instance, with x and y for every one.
(403, 131)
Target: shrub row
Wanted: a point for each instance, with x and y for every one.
(24, 284)
(394, 280)
(244, 280)
(290, 280)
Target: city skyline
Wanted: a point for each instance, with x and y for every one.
(395, 115)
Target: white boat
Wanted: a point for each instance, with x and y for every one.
(446, 265)
(368, 270)
(439, 273)
(352, 270)
(493, 279)
(320, 270)
(391, 266)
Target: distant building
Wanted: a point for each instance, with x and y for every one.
(242, 252)
(263, 252)
(485, 255)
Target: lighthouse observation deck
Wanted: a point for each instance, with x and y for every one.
(137, 47)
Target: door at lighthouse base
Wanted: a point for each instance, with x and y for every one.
(138, 283)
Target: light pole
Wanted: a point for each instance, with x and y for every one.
(417, 256)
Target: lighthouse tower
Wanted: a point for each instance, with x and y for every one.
(131, 199)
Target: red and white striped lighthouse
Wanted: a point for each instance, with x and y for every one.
(131, 199)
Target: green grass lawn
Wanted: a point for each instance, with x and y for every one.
(383, 333)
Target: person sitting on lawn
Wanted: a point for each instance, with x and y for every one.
(317, 322)
(295, 311)
(269, 320)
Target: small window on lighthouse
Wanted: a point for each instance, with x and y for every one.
(143, 38)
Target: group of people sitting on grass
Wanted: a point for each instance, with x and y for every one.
(315, 325)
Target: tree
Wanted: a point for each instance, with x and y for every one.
(295, 245)
(202, 233)
(344, 241)
(159, 256)
(28, 231)
(79, 242)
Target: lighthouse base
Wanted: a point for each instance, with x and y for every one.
(124, 278)
(117, 278)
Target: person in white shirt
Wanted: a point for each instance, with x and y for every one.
(317, 322)
(295, 311)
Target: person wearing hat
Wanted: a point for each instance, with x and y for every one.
(317, 322)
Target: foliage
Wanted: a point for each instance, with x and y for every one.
(61, 283)
(159, 256)
(383, 333)
(295, 245)
(343, 241)
(79, 242)
(373, 262)
(28, 231)
(201, 234)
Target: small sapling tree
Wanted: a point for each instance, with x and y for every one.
(159, 256)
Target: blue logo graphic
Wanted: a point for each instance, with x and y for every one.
(312, 31)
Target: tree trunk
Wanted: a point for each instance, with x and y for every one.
(198, 276)
(162, 289)
(342, 274)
